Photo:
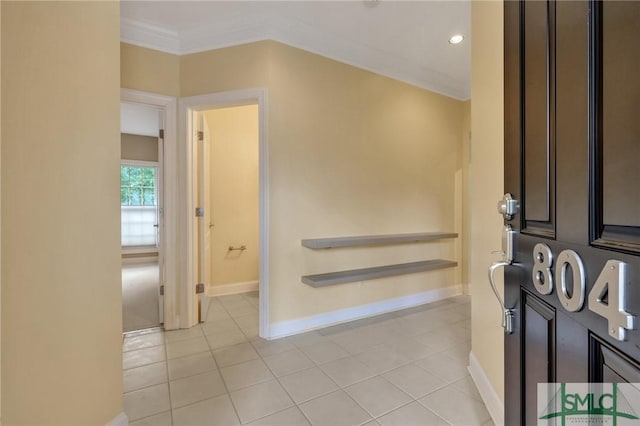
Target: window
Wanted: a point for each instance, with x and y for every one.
(139, 207)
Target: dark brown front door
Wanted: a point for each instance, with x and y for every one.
(572, 160)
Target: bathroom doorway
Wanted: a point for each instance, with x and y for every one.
(228, 243)
(228, 193)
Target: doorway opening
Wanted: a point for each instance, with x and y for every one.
(228, 243)
(141, 212)
(227, 254)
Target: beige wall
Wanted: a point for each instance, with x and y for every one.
(137, 147)
(466, 193)
(465, 198)
(61, 295)
(350, 152)
(486, 184)
(232, 68)
(353, 153)
(0, 213)
(149, 70)
(233, 165)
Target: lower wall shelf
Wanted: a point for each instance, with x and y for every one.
(341, 277)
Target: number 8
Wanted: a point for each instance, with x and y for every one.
(541, 274)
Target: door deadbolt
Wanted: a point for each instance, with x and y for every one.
(508, 206)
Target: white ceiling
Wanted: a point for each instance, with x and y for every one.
(404, 40)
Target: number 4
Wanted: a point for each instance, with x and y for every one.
(611, 285)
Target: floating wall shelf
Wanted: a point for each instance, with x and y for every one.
(341, 277)
(369, 240)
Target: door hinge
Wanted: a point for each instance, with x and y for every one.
(162, 290)
(199, 212)
(200, 135)
(200, 288)
(161, 135)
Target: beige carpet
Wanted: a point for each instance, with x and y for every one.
(140, 296)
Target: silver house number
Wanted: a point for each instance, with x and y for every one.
(608, 297)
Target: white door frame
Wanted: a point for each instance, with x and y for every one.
(187, 107)
(168, 106)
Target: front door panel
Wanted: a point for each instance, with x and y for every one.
(538, 335)
(620, 90)
(538, 146)
(572, 158)
(616, 128)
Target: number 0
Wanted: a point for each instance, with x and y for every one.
(566, 259)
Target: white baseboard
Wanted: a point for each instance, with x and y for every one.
(301, 325)
(232, 288)
(492, 401)
(120, 420)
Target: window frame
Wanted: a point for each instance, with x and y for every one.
(151, 249)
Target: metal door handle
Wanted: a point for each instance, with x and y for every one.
(509, 240)
(507, 313)
(507, 207)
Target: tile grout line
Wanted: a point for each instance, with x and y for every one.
(234, 320)
(224, 382)
(166, 357)
(186, 377)
(277, 379)
(433, 412)
(157, 414)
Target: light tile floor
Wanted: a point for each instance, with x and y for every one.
(403, 368)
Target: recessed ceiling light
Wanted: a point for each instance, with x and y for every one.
(456, 39)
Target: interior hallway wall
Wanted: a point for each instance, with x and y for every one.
(0, 213)
(61, 295)
(350, 153)
(486, 184)
(233, 199)
(355, 153)
(221, 70)
(149, 70)
(464, 201)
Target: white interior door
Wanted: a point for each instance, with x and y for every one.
(160, 219)
(206, 203)
(203, 220)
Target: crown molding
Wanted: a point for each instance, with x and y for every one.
(295, 34)
(234, 32)
(149, 36)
